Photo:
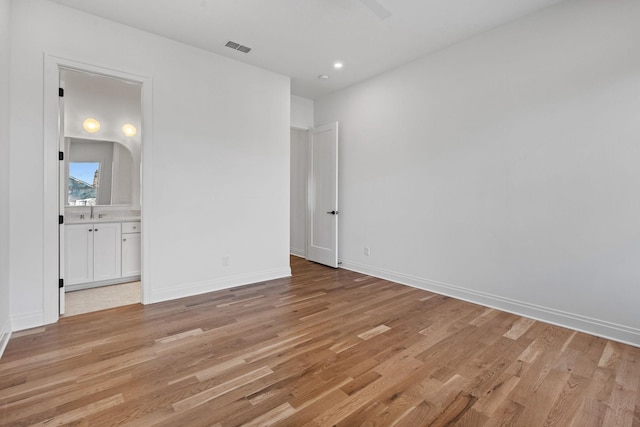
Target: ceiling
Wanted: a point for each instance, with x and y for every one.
(303, 38)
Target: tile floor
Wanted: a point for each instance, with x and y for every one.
(95, 299)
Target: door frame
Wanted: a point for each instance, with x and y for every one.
(51, 228)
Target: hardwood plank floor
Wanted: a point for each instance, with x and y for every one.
(325, 347)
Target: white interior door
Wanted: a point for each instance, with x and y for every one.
(322, 217)
(62, 198)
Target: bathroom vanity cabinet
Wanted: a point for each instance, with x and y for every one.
(131, 249)
(101, 253)
(93, 252)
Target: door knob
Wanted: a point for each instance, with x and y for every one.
(333, 212)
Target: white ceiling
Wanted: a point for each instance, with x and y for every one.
(303, 38)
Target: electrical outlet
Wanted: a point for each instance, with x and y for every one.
(226, 261)
(367, 251)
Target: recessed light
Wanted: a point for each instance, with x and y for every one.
(91, 125)
(338, 65)
(323, 76)
(129, 130)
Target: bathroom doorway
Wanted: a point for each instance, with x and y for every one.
(53, 207)
(99, 191)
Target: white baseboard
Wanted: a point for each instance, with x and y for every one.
(27, 321)
(298, 252)
(601, 328)
(197, 288)
(5, 335)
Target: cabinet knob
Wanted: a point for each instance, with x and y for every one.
(124, 240)
(90, 230)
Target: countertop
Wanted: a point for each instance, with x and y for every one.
(77, 220)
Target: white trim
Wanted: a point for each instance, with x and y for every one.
(27, 321)
(597, 327)
(50, 246)
(197, 288)
(298, 252)
(5, 336)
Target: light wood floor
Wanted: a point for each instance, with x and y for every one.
(326, 347)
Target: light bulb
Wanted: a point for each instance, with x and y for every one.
(91, 125)
(129, 130)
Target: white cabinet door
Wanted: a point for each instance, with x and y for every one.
(78, 244)
(131, 254)
(106, 251)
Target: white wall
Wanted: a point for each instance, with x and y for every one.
(301, 112)
(5, 325)
(505, 169)
(219, 157)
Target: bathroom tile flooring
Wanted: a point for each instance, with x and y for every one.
(88, 300)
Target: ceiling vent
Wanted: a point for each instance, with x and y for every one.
(238, 46)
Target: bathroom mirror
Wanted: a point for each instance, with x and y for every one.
(99, 173)
(103, 163)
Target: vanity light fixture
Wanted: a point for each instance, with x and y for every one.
(129, 130)
(338, 65)
(91, 125)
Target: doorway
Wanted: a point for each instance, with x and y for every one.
(314, 194)
(298, 223)
(99, 191)
(56, 173)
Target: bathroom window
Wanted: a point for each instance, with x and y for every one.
(84, 180)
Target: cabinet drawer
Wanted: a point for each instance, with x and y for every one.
(131, 227)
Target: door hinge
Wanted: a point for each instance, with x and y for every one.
(61, 283)
(60, 92)
(60, 219)
(60, 155)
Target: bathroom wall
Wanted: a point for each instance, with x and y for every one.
(113, 103)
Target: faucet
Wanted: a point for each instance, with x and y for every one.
(91, 212)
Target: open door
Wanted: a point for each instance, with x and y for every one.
(62, 196)
(322, 218)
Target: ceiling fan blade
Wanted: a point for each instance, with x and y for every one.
(379, 10)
